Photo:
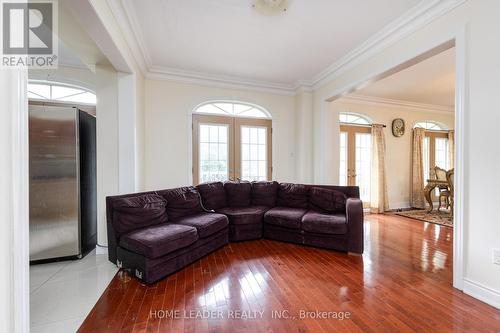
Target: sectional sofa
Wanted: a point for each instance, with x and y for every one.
(159, 232)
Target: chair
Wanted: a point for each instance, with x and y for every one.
(445, 191)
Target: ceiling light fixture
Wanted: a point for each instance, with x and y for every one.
(270, 7)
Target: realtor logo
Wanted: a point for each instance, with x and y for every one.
(28, 34)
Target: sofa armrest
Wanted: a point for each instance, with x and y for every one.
(354, 215)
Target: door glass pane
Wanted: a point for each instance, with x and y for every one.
(343, 159)
(427, 166)
(363, 164)
(213, 152)
(253, 153)
(442, 153)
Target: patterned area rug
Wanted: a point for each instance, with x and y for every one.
(442, 217)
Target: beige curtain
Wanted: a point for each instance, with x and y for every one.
(417, 184)
(378, 196)
(451, 145)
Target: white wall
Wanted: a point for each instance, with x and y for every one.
(71, 75)
(398, 150)
(107, 144)
(482, 230)
(303, 137)
(168, 129)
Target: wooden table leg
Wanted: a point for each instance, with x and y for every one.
(427, 193)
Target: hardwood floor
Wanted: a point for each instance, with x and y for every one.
(402, 283)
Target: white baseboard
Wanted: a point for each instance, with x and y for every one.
(399, 205)
(482, 293)
(101, 250)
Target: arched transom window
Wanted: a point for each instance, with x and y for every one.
(60, 92)
(353, 119)
(232, 109)
(430, 125)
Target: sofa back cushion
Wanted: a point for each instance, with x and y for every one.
(238, 194)
(292, 195)
(264, 193)
(213, 195)
(135, 212)
(327, 200)
(349, 191)
(182, 201)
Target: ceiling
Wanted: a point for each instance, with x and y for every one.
(431, 81)
(229, 38)
(76, 48)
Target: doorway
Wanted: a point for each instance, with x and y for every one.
(228, 146)
(355, 158)
(456, 161)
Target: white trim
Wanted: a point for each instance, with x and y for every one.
(14, 288)
(91, 19)
(372, 100)
(414, 19)
(132, 33)
(219, 81)
(481, 292)
(231, 101)
(399, 205)
(462, 107)
(411, 21)
(21, 206)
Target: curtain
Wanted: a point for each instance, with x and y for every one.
(451, 146)
(378, 196)
(417, 184)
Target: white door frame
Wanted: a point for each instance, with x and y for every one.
(459, 41)
(14, 314)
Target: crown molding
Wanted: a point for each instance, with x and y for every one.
(131, 33)
(220, 81)
(372, 100)
(414, 19)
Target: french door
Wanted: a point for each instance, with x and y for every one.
(436, 152)
(230, 148)
(355, 159)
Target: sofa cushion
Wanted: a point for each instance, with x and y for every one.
(238, 194)
(206, 223)
(286, 217)
(213, 195)
(244, 215)
(156, 241)
(182, 201)
(320, 223)
(131, 213)
(292, 195)
(327, 200)
(264, 193)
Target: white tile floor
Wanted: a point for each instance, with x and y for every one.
(63, 293)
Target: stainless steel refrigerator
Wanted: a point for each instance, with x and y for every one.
(62, 163)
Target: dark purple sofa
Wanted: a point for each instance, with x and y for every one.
(159, 232)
